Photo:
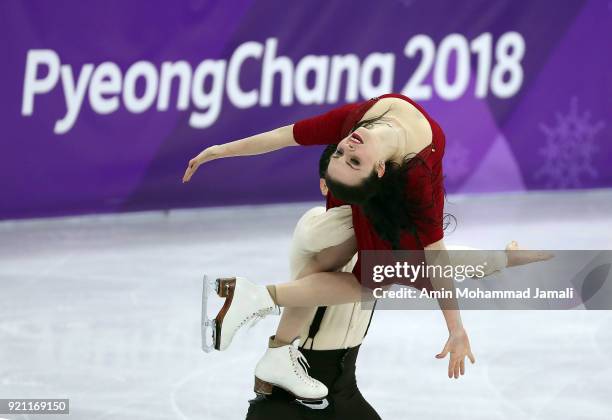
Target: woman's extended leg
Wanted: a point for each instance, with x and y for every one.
(320, 289)
(301, 297)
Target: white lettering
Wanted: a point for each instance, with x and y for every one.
(106, 80)
(74, 96)
(211, 101)
(169, 71)
(33, 86)
(344, 63)
(240, 98)
(319, 65)
(271, 66)
(385, 64)
(147, 71)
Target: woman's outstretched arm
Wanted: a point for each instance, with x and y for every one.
(458, 343)
(255, 145)
(322, 129)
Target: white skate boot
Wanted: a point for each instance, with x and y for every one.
(244, 301)
(285, 367)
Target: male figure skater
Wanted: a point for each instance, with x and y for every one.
(330, 341)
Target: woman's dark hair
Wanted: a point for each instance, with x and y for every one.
(385, 200)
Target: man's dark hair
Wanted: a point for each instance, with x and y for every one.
(384, 200)
(324, 159)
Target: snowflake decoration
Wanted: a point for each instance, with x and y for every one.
(456, 160)
(569, 150)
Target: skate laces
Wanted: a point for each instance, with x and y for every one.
(255, 319)
(300, 360)
(295, 347)
(258, 316)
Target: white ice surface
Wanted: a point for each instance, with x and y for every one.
(105, 310)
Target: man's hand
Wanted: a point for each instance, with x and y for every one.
(458, 345)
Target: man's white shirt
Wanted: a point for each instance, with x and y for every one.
(344, 326)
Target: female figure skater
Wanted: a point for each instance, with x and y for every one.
(332, 337)
(388, 166)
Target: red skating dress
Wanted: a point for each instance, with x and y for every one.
(424, 180)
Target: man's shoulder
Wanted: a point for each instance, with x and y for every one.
(309, 218)
(318, 229)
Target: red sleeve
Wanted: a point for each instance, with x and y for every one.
(323, 129)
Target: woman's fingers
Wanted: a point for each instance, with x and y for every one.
(443, 353)
(457, 368)
(205, 156)
(456, 362)
(456, 365)
(191, 168)
(187, 175)
(453, 367)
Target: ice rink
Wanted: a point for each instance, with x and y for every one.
(105, 310)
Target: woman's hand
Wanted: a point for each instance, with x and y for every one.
(208, 154)
(458, 345)
(250, 146)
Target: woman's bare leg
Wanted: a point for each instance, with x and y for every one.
(319, 289)
(300, 298)
(318, 284)
(291, 323)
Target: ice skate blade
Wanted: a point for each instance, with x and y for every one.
(208, 326)
(314, 404)
(264, 388)
(211, 328)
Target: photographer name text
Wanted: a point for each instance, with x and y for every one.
(477, 293)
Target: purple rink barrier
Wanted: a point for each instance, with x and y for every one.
(103, 103)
